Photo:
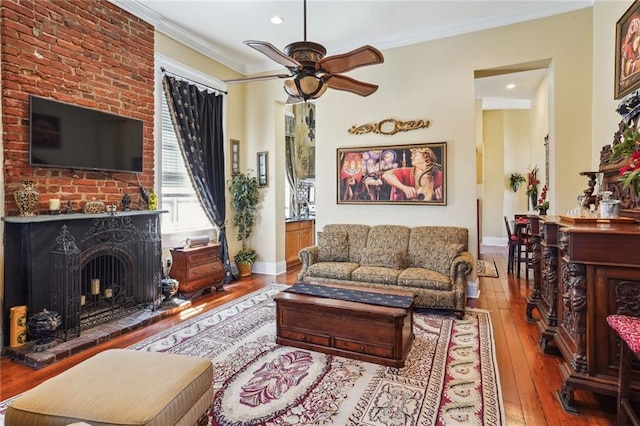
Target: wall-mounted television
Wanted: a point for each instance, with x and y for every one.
(69, 136)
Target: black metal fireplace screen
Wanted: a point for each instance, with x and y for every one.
(112, 272)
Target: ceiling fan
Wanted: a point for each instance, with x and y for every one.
(310, 72)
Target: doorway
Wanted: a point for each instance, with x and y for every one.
(513, 117)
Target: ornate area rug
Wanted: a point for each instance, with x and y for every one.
(450, 376)
(486, 268)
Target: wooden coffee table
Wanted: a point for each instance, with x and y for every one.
(362, 331)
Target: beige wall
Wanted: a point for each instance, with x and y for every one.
(438, 85)
(605, 119)
(496, 198)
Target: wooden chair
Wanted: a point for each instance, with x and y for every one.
(513, 247)
(628, 328)
(519, 250)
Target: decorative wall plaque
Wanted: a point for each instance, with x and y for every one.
(389, 126)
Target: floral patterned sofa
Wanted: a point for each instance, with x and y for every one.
(431, 261)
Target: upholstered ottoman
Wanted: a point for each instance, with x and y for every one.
(121, 387)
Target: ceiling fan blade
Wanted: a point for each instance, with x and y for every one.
(258, 78)
(365, 55)
(342, 82)
(273, 53)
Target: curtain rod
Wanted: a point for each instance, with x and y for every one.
(193, 81)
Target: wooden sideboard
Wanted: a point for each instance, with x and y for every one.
(197, 269)
(589, 270)
(299, 234)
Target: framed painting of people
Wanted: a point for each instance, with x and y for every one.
(395, 174)
(627, 53)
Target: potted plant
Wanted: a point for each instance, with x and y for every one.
(244, 200)
(515, 180)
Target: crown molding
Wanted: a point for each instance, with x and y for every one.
(138, 9)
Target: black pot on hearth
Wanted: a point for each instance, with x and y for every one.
(43, 325)
(168, 287)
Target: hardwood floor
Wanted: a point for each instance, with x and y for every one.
(529, 378)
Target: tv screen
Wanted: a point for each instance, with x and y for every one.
(73, 137)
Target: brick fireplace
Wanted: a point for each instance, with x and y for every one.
(87, 53)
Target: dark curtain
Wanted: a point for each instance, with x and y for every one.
(197, 119)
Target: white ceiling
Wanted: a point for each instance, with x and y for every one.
(217, 28)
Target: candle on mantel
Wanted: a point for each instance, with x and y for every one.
(108, 292)
(95, 286)
(54, 204)
(83, 300)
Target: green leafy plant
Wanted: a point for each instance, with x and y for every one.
(627, 147)
(515, 181)
(244, 200)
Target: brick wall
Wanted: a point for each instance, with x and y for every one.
(85, 52)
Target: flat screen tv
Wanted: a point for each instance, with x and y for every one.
(73, 137)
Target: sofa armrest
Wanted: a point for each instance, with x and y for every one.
(308, 256)
(461, 267)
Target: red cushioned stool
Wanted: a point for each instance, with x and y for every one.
(628, 328)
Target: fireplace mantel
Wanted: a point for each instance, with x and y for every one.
(75, 216)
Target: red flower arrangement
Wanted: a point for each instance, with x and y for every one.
(532, 181)
(543, 204)
(630, 174)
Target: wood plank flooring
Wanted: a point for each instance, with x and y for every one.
(529, 378)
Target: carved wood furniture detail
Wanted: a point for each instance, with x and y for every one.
(598, 264)
(546, 287)
(197, 269)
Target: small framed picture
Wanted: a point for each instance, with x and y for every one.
(235, 156)
(263, 169)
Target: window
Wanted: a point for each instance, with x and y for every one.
(177, 195)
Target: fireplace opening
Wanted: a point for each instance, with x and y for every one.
(112, 271)
(107, 289)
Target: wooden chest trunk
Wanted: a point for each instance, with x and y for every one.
(378, 334)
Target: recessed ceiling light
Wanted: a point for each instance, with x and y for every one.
(511, 86)
(277, 20)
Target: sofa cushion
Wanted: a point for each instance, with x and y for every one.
(357, 236)
(376, 275)
(389, 237)
(439, 257)
(422, 239)
(424, 278)
(332, 270)
(333, 247)
(383, 257)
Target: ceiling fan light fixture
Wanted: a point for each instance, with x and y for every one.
(305, 87)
